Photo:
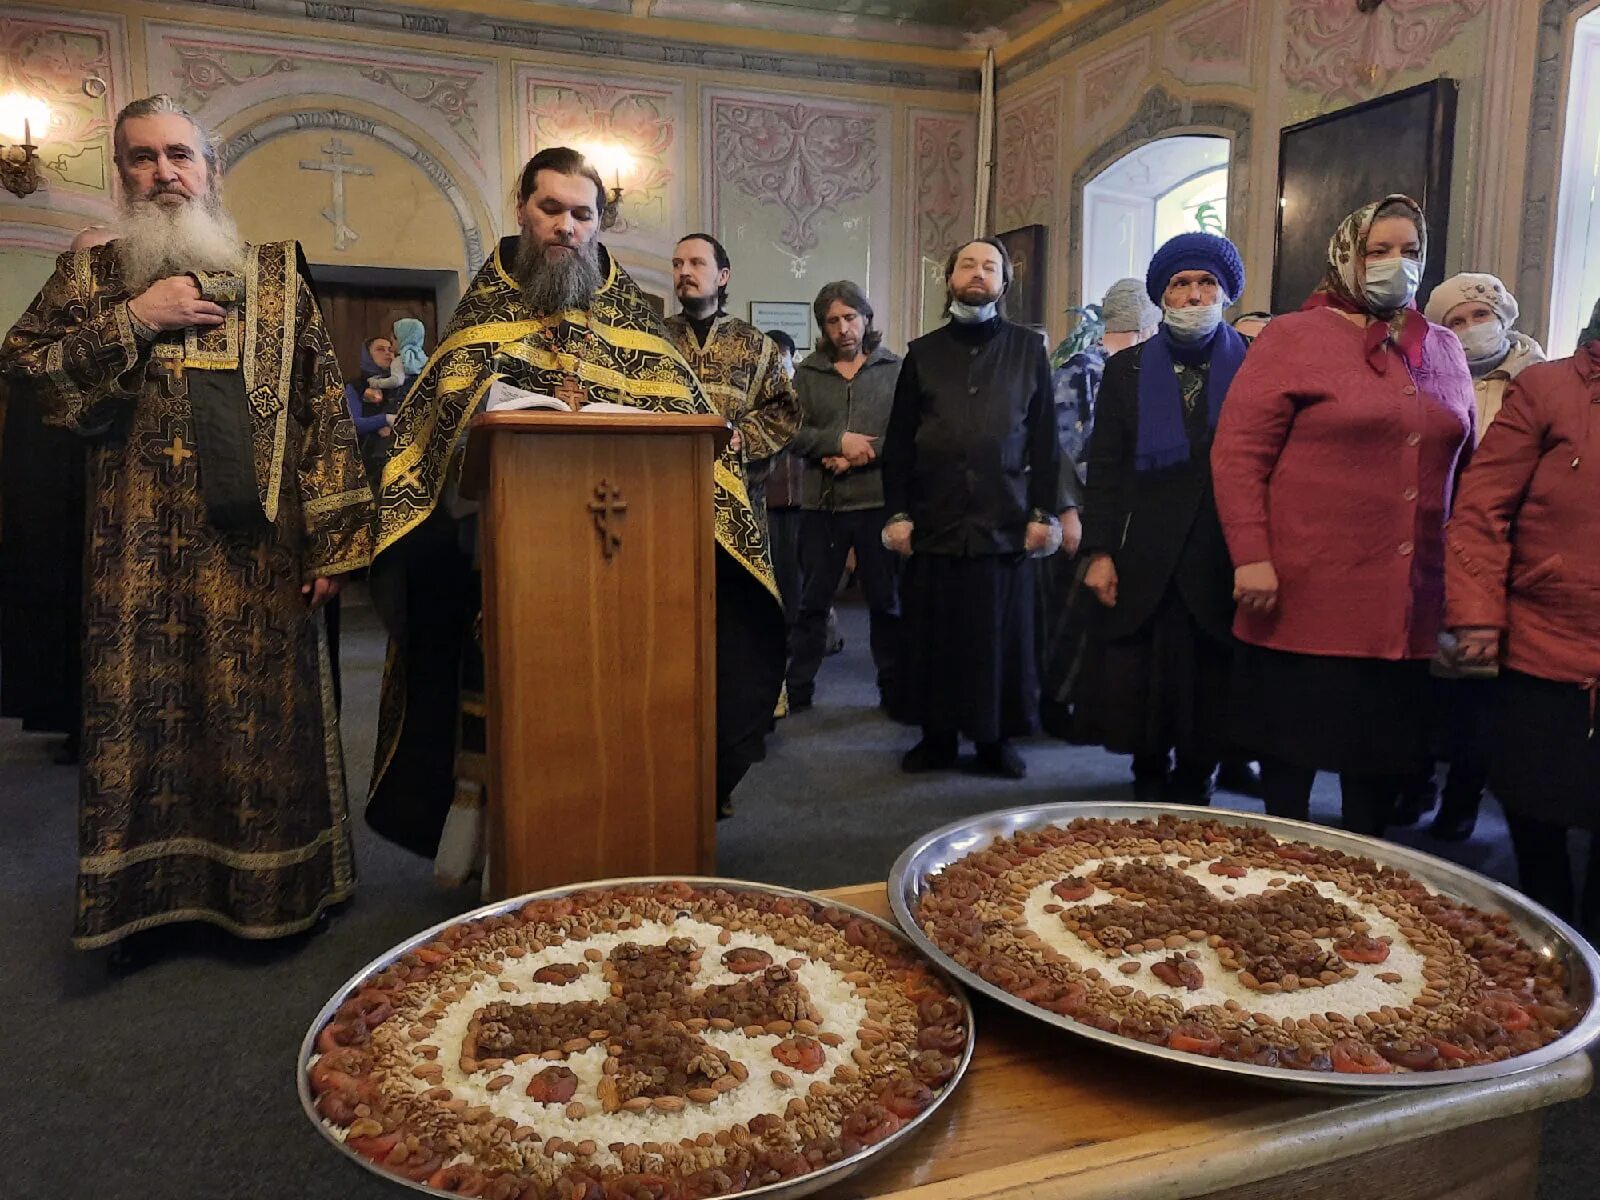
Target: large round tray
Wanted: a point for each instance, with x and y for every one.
(803, 1186)
(1540, 928)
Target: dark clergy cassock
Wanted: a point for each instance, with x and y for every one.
(971, 457)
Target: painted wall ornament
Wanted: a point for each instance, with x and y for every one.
(808, 159)
(1344, 52)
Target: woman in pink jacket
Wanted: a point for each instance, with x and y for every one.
(1333, 467)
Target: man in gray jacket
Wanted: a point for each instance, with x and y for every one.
(846, 390)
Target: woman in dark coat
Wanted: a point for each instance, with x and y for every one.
(1157, 560)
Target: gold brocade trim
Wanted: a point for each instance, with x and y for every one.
(212, 917)
(268, 399)
(407, 460)
(219, 287)
(200, 352)
(344, 871)
(83, 273)
(595, 373)
(342, 567)
(322, 504)
(263, 860)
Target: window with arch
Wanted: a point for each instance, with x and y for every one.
(1165, 187)
(1575, 279)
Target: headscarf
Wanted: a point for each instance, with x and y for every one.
(408, 333)
(1126, 308)
(1470, 288)
(1591, 332)
(1341, 288)
(1163, 437)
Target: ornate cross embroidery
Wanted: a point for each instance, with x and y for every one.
(178, 452)
(607, 509)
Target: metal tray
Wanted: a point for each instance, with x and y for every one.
(803, 1186)
(1540, 928)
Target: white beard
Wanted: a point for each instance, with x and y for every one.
(156, 240)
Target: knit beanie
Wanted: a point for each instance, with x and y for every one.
(1195, 252)
(1126, 309)
(1469, 289)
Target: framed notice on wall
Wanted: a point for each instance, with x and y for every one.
(1331, 165)
(791, 316)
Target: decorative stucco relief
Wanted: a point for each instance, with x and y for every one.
(942, 179)
(1027, 148)
(1212, 46)
(645, 119)
(220, 74)
(809, 159)
(50, 56)
(1107, 80)
(1342, 54)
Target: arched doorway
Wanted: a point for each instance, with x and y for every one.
(1163, 188)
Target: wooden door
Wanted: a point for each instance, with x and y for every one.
(353, 313)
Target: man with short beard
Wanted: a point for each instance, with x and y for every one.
(227, 500)
(551, 312)
(975, 484)
(738, 366)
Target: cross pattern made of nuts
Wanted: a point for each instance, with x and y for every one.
(649, 1027)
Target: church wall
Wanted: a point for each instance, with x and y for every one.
(807, 176)
(1082, 93)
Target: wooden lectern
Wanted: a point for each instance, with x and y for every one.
(599, 628)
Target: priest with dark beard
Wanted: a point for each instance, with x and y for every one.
(226, 503)
(975, 484)
(551, 312)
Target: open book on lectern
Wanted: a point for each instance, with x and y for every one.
(503, 397)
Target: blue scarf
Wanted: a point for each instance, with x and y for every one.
(1163, 439)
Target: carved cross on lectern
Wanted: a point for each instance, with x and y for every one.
(336, 150)
(607, 509)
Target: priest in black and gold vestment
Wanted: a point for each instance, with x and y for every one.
(739, 368)
(226, 498)
(550, 312)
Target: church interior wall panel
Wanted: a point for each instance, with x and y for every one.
(1275, 64)
(647, 117)
(941, 153)
(799, 190)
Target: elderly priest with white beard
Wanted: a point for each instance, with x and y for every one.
(552, 312)
(227, 499)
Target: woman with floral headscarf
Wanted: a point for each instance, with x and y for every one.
(1333, 467)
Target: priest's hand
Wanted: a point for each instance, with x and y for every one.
(857, 448)
(174, 303)
(1101, 579)
(1255, 587)
(897, 537)
(320, 590)
(736, 443)
(1071, 531)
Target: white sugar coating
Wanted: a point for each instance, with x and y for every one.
(1360, 994)
(841, 1009)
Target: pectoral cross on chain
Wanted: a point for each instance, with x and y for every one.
(571, 392)
(336, 150)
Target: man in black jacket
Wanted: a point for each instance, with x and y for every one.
(974, 481)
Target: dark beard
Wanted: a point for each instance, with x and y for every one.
(549, 286)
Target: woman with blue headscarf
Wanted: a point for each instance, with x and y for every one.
(1157, 559)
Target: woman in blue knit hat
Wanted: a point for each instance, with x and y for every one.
(1157, 560)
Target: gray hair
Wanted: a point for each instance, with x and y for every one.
(159, 105)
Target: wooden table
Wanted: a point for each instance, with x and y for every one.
(1042, 1114)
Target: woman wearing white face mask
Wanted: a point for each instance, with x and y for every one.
(1480, 311)
(1333, 467)
(1157, 561)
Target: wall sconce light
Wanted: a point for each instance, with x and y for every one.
(19, 158)
(611, 161)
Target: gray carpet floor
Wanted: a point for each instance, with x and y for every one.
(177, 1080)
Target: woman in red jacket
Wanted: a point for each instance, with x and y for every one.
(1523, 575)
(1332, 467)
